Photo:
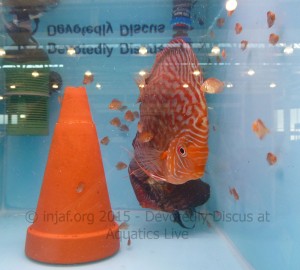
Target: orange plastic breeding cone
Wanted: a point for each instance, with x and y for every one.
(74, 222)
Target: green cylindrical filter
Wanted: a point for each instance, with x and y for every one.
(27, 91)
(27, 115)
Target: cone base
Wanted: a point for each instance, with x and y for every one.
(72, 249)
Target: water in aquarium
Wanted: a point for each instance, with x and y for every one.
(149, 134)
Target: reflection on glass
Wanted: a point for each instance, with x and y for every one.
(295, 119)
(143, 50)
(231, 5)
(279, 120)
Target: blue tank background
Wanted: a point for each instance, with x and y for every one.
(237, 157)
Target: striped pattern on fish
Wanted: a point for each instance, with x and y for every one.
(173, 109)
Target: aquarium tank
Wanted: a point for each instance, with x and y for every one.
(154, 134)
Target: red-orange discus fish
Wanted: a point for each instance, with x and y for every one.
(173, 109)
(270, 18)
(234, 193)
(273, 39)
(271, 158)
(238, 28)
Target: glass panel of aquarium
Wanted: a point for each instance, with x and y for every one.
(149, 134)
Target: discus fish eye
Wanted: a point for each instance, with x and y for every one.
(182, 151)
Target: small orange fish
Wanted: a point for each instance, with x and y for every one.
(244, 44)
(229, 13)
(145, 136)
(121, 165)
(116, 122)
(129, 116)
(238, 28)
(234, 193)
(105, 140)
(220, 22)
(212, 86)
(223, 53)
(136, 114)
(115, 104)
(129, 241)
(124, 128)
(260, 129)
(270, 18)
(88, 78)
(271, 158)
(273, 38)
(123, 226)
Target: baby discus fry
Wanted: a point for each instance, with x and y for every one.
(115, 104)
(238, 28)
(129, 116)
(105, 140)
(129, 241)
(270, 18)
(273, 39)
(224, 54)
(115, 122)
(271, 158)
(121, 165)
(88, 78)
(260, 129)
(212, 86)
(234, 193)
(220, 22)
(244, 44)
(124, 128)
